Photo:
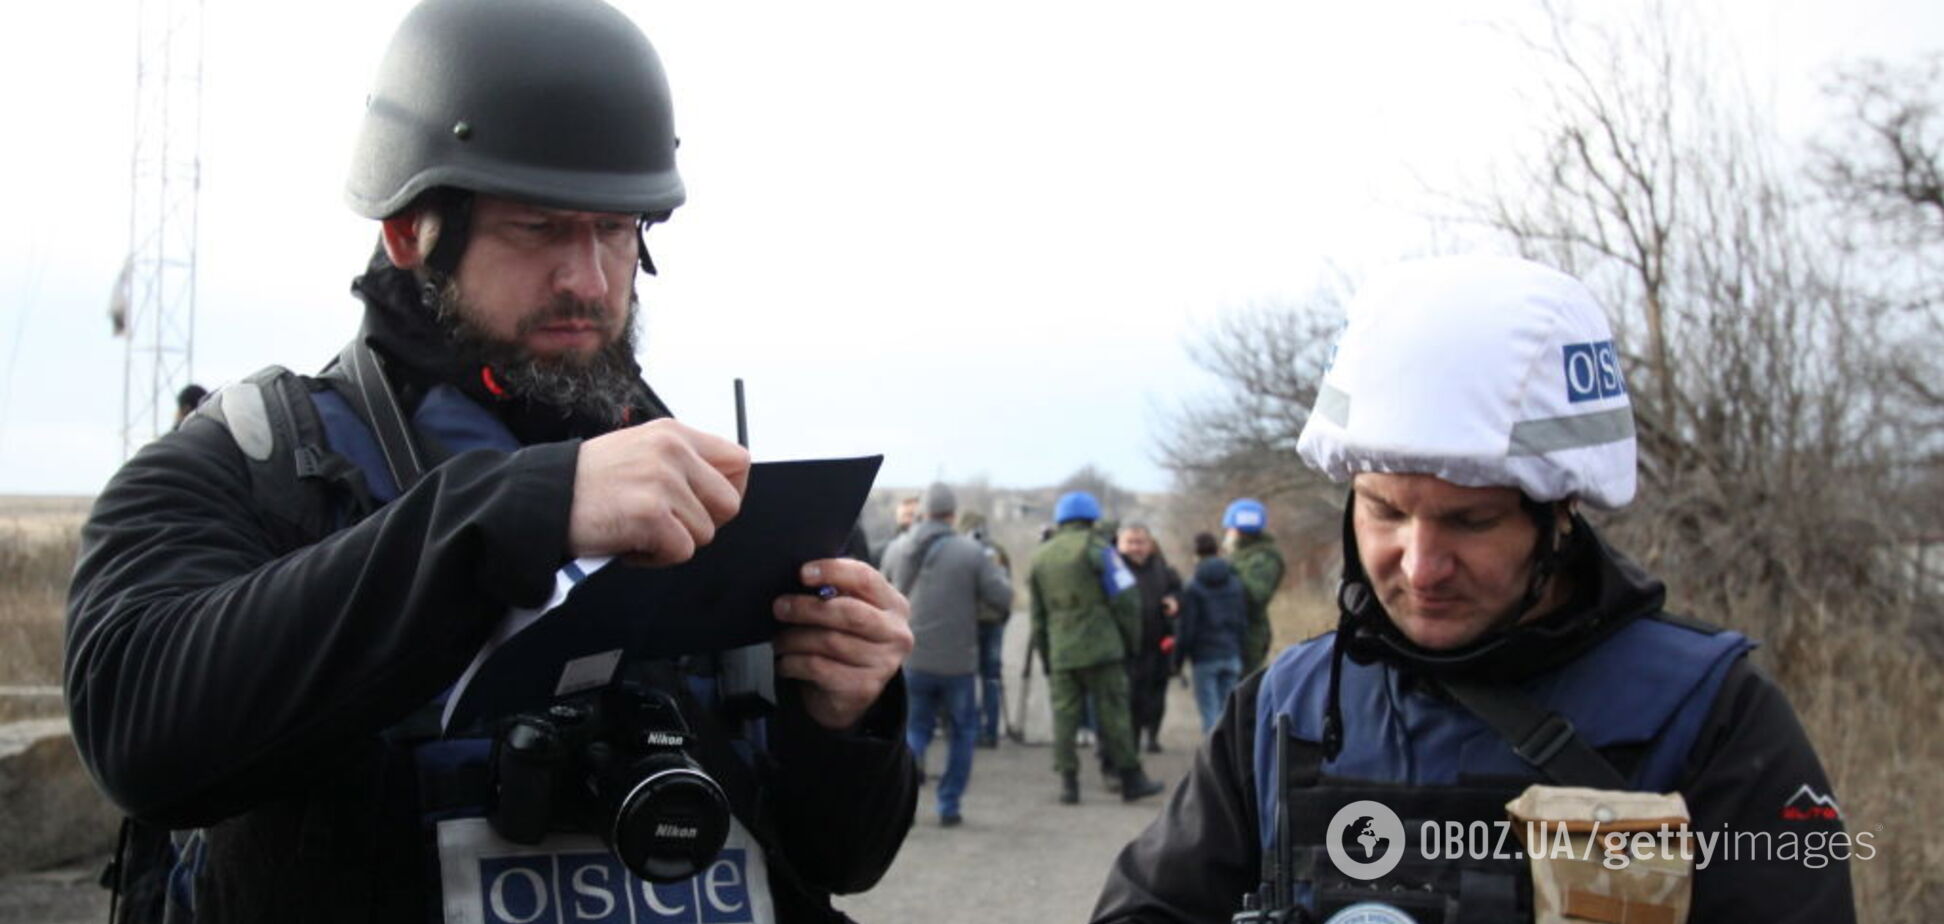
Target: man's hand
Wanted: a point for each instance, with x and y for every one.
(846, 648)
(655, 492)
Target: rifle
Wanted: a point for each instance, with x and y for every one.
(1016, 717)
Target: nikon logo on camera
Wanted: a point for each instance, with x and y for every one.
(684, 832)
(664, 739)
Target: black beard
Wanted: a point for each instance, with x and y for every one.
(601, 387)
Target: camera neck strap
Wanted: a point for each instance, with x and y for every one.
(918, 559)
(363, 370)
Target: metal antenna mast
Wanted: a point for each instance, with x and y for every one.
(155, 301)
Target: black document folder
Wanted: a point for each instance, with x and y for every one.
(605, 612)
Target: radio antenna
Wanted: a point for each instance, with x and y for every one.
(742, 418)
(747, 675)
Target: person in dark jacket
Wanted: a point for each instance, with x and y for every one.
(1491, 645)
(1147, 670)
(1214, 614)
(187, 399)
(250, 646)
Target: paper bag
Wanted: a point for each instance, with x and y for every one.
(1605, 856)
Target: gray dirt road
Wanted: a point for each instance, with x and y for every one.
(1020, 856)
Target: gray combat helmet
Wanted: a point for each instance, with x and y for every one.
(559, 103)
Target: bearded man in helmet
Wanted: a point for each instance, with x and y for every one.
(270, 597)
(1488, 640)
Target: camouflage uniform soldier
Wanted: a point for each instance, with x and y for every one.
(1086, 618)
(1259, 563)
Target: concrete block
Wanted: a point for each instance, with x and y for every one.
(53, 812)
(19, 703)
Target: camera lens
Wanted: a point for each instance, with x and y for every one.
(671, 822)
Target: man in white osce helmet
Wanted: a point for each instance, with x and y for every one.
(1489, 640)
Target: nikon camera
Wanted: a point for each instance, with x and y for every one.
(613, 763)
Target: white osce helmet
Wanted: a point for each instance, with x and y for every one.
(1482, 371)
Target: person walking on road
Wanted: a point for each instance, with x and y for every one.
(1086, 618)
(1214, 614)
(949, 579)
(1147, 670)
(1253, 553)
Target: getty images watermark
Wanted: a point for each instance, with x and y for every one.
(1366, 841)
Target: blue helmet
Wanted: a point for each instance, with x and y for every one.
(1076, 505)
(1245, 514)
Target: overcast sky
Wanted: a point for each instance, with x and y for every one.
(971, 237)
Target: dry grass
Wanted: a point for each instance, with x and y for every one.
(34, 569)
(1300, 612)
(1873, 703)
(37, 549)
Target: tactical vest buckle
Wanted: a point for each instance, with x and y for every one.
(1546, 740)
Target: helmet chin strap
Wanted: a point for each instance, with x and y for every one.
(641, 244)
(1355, 603)
(454, 207)
(1359, 610)
(1547, 554)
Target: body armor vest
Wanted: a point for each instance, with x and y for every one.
(1639, 699)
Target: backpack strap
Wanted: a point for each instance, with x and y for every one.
(292, 470)
(923, 554)
(1543, 738)
(361, 368)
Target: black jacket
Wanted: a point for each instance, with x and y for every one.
(1214, 611)
(1744, 772)
(1157, 580)
(228, 669)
